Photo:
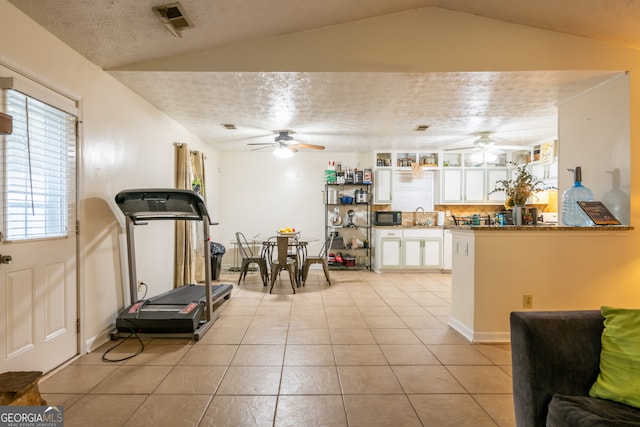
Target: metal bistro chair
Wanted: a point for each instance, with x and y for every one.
(321, 258)
(248, 258)
(283, 262)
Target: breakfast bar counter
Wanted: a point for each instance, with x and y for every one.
(497, 270)
(541, 227)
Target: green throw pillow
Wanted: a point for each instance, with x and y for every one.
(619, 377)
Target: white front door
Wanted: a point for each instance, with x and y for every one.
(39, 302)
(38, 291)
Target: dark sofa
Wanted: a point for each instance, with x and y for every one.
(555, 360)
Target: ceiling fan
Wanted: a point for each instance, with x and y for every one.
(485, 142)
(284, 144)
(484, 148)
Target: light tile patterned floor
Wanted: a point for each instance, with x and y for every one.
(370, 350)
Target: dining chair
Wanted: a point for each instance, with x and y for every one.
(283, 262)
(321, 258)
(248, 258)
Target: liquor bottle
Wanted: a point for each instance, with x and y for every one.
(572, 213)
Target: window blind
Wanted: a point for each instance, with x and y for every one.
(39, 170)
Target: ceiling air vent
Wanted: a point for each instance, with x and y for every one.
(173, 17)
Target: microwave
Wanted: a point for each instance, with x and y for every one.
(387, 218)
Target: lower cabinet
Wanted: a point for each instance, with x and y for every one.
(408, 249)
(390, 252)
(447, 250)
(422, 248)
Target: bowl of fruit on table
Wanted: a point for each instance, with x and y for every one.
(288, 231)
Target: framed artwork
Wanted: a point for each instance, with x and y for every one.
(598, 213)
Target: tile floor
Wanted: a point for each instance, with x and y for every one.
(370, 350)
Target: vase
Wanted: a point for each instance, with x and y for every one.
(516, 214)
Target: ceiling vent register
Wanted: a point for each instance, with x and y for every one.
(173, 17)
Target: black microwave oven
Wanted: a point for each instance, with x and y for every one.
(387, 218)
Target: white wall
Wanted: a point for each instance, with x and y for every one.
(593, 132)
(570, 269)
(261, 193)
(127, 143)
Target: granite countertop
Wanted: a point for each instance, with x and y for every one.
(541, 227)
(420, 227)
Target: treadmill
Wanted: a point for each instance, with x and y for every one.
(186, 311)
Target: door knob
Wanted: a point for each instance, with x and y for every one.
(5, 259)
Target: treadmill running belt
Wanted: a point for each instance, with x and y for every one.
(179, 310)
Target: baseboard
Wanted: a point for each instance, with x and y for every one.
(479, 337)
(91, 344)
(461, 329)
(492, 337)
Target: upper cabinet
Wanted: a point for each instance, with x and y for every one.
(382, 191)
(463, 176)
(405, 160)
(383, 159)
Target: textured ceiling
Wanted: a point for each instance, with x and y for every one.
(374, 110)
(356, 111)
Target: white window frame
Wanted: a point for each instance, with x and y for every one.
(38, 164)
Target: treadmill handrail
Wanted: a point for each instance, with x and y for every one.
(162, 204)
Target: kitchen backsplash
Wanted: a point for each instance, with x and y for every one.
(408, 218)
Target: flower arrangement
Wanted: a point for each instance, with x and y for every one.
(520, 188)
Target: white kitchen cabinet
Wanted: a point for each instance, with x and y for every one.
(447, 250)
(412, 253)
(422, 248)
(545, 173)
(451, 185)
(390, 250)
(382, 190)
(493, 176)
(408, 248)
(421, 252)
(463, 185)
(474, 185)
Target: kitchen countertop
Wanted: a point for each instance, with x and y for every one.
(540, 227)
(420, 227)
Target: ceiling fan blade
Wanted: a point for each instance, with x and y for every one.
(259, 148)
(261, 143)
(292, 147)
(461, 149)
(312, 146)
(510, 147)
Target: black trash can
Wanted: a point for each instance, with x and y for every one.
(217, 251)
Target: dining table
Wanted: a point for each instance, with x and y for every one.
(296, 242)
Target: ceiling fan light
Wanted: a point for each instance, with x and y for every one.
(490, 157)
(477, 157)
(282, 152)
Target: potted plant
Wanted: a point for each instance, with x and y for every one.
(518, 189)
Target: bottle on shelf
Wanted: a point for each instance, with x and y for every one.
(572, 213)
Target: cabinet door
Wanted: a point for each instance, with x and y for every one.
(382, 188)
(493, 176)
(431, 253)
(474, 185)
(447, 250)
(390, 252)
(412, 253)
(451, 185)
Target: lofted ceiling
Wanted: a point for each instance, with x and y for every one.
(343, 111)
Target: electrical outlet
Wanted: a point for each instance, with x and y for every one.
(527, 301)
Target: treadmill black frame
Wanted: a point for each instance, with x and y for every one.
(142, 205)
